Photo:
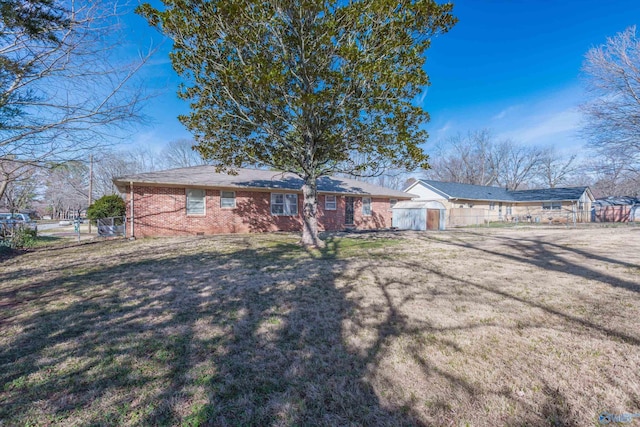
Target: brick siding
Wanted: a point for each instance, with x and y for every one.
(161, 211)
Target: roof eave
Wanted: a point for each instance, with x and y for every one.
(123, 184)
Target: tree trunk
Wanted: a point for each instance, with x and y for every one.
(310, 213)
(3, 187)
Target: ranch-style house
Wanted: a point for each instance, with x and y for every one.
(199, 201)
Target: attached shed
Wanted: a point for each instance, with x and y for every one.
(419, 215)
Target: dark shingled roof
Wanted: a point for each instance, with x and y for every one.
(454, 190)
(548, 194)
(468, 191)
(618, 201)
(206, 176)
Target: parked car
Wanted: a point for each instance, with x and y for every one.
(15, 219)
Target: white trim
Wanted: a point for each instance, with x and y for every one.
(234, 199)
(286, 209)
(364, 213)
(335, 202)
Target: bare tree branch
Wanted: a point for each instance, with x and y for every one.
(67, 93)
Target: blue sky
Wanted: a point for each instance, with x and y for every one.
(512, 66)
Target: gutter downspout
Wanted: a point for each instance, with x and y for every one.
(132, 236)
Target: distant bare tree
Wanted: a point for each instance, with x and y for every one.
(516, 165)
(20, 191)
(555, 170)
(67, 189)
(108, 167)
(113, 164)
(392, 178)
(180, 154)
(476, 158)
(468, 159)
(612, 176)
(612, 117)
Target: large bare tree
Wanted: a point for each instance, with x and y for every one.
(62, 86)
(612, 117)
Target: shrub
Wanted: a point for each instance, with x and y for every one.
(23, 237)
(107, 206)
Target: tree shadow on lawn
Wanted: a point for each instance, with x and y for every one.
(546, 254)
(247, 337)
(266, 333)
(548, 257)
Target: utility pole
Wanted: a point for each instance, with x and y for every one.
(90, 185)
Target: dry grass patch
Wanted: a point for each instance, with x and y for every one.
(489, 327)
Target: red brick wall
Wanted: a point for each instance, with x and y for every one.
(161, 211)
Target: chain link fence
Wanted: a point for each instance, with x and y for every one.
(474, 217)
(112, 227)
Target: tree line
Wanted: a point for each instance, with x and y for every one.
(63, 190)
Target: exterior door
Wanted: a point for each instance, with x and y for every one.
(348, 210)
(433, 219)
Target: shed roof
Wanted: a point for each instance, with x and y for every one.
(617, 201)
(419, 204)
(455, 190)
(207, 177)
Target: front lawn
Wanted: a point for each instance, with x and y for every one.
(468, 327)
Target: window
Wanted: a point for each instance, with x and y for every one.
(330, 203)
(492, 205)
(392, 202)
(551, 206)
(195, 202)
(509, 209)
(366, 206)
(284, 204)
(227, 199)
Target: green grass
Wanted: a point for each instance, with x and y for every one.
(373, 329)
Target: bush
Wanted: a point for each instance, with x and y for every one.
(107, 206)
(23, 237)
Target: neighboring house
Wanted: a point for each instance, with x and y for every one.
(616, 209)
(198, 200)
(467, 204)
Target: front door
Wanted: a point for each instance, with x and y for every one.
(348, 210)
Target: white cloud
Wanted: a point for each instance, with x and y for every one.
(445, 128)
(502, 114)
(423, 96)
(546, 128)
